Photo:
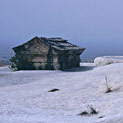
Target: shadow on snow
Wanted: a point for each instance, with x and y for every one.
(80, 69)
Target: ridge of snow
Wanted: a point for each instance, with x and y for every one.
(106, 60)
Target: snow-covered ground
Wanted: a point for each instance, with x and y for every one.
(24, 96)
(106, 60)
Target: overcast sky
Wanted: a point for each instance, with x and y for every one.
(94, 24)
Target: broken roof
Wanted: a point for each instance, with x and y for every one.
(56, 43)
(60, 44)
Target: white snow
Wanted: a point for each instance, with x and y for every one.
(106, 60)
(24, 96)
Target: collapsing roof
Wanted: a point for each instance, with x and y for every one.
(56, 43)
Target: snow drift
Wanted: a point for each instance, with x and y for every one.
(106, 60)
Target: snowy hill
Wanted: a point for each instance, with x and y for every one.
(24, 96)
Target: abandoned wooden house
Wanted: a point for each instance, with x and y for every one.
(46, 53)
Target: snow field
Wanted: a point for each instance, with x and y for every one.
(24, 95)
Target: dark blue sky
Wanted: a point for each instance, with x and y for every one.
(94, 24)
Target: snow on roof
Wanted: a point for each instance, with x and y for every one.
(60, 44)
(57, 39)
(57, 43)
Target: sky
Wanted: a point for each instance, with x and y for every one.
(96, 25)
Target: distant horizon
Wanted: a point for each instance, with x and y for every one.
(88, 54)
(6, 50)
(96, 25)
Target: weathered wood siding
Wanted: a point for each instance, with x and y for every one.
(43, 56)
(40, 55)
